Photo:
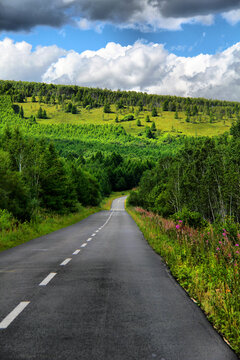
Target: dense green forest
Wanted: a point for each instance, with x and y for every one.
(34, 176)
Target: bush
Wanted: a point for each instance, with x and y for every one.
(191, 218)
(6, 220)
(128, 117)
(133, 199)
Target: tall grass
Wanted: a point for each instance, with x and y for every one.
(206, 264)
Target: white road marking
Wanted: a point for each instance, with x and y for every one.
(96, 231)
(83, 245)
(12, 316)
(65, 262)
(93, 234)
(76, 252)
(89, 239)
(47, 279)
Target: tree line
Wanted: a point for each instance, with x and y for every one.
(202, 179)
(95, 97)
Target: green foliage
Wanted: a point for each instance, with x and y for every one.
(128, 117)
(107, 108)
(190, 218)
(147, 118)
(139, 123)
(154, 112)
(6, 220)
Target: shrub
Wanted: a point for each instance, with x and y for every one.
(128, 117)
(191, 218)
(6, 220)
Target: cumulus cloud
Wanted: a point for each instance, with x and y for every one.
(146, 15)
(18, 61)
(151, 68)
(141, 67)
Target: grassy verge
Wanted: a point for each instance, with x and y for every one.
(205, 265)
(49, 223)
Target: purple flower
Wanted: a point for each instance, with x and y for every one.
(218, 248)
(220, 242)
(236, 244)
(224, 234)
(180, 221)
(177, 226)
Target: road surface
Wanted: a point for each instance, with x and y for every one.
(97, 291)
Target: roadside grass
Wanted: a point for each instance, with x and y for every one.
(206, 265)
(165, 121)
(48, 223)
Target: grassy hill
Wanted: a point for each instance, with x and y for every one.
(199, 125)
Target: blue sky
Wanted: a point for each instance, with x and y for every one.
(155, 46)
(191, 40)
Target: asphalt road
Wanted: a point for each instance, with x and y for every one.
(112, 300)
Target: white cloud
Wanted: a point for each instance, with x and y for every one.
(18, 61)
(233, 16)
(140, 67)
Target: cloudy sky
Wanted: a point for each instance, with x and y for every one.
(177, 47)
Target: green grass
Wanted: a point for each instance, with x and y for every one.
(165, 121)
(206, 265)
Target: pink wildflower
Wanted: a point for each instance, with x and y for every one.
(180, 221)
(237, 252)
(177, 227)
(220, 242)
(218, 248)
(224, 234)
(236, 244)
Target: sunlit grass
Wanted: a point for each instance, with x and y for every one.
(165, 121)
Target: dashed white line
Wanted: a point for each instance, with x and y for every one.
(47, 279)
(93, 234)
(83, 245)
(65, 262)
(12, 316)
(76, 252)
(89, 239)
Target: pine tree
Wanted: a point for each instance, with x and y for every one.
(21, 112)
(154, 112)
(153, 127)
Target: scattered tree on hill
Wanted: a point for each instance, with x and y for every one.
(21, 112)
(153, 126)
(154, 112)
(107, 108)
(147, 118)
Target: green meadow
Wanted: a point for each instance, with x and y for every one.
(166, 122)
